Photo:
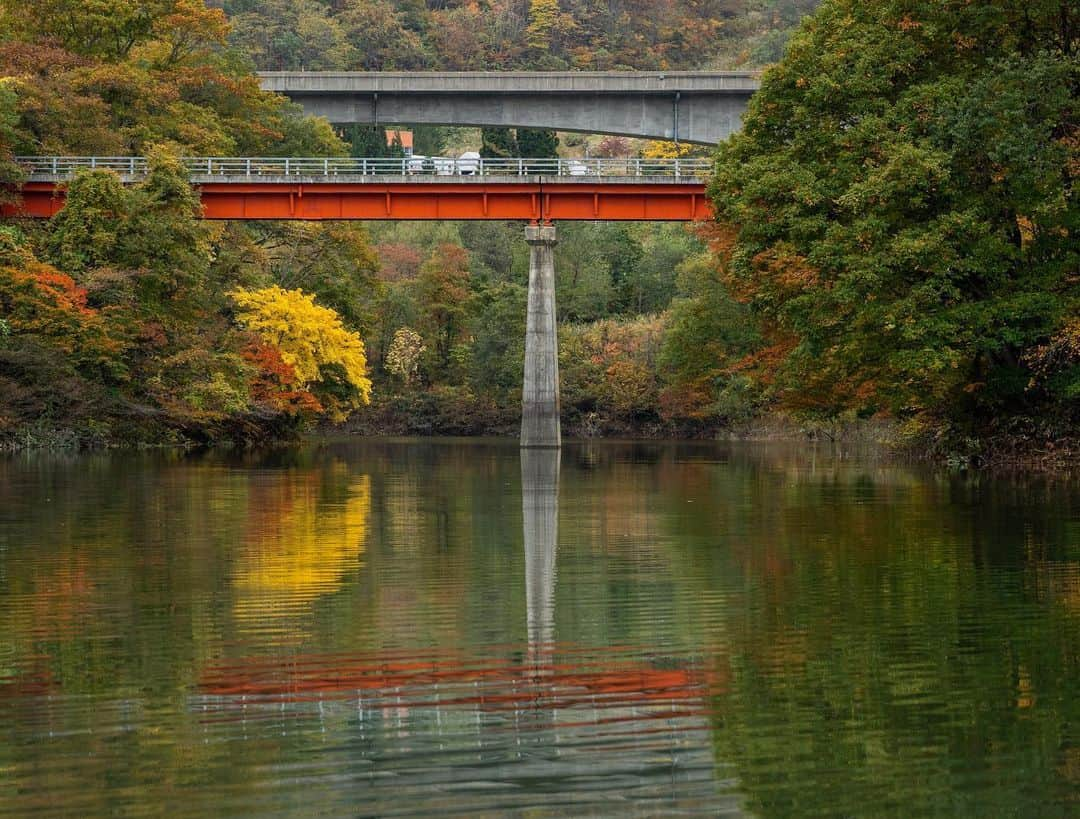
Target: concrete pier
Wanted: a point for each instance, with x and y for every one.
(540, 392)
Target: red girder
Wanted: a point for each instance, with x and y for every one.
(374, 201)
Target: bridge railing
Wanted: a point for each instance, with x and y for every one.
(254, 167)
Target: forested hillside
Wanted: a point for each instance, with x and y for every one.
(126, 319)
(499, 35)
(896, 234)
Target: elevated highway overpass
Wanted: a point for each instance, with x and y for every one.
(684, 106)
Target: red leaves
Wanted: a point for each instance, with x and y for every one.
(61, 288)
(399, 261)
(274, 382)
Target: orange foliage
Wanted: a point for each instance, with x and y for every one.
(275, 383)
(61, 288)
(763, 364)
(691, 400)
(1060, 353)
(40, 300)
(788, 270)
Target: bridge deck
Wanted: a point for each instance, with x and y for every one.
(510, 82)
(316, 189)
(55, 168)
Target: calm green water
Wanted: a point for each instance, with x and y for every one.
(399, 628)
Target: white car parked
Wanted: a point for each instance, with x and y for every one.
(443, 166)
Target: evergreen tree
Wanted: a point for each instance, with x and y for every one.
(367, 141)
(498, 143)
(537, 143)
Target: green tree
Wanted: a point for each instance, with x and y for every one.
(10, 137)
(708, 335)
(498, 341)
(543, 21)
(378, 34)
(498, 143)
(333, 261)
(902, 193)
(537, 143)
(622, 251)
(87, 232)
(370, 141)
(105, 28)
(443, 297)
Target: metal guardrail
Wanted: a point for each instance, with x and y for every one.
(254, 167)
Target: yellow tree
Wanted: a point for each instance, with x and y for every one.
(543, 19)
(660, 149)
(312, 340)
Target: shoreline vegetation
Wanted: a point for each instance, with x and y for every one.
(1027, 450)
(895, 245)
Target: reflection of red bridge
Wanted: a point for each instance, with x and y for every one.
(514, 730)
(497, 684)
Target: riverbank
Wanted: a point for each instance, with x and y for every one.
(1019, 444)
(1016, 446)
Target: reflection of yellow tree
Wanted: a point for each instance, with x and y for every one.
(301, 550)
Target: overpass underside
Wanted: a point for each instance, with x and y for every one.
(698, 107)
(695, 119)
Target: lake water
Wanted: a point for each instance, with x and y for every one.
(387, 628)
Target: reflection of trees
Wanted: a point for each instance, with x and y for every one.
(299, 547)
(872, 632)
(888, 642)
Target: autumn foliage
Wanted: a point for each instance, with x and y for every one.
(311, 342)
(902, 217)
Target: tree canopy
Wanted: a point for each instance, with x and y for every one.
(902, 198)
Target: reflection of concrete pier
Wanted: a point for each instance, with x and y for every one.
(540, 520)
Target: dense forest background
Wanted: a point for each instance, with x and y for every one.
(494, 35)
(896, 236)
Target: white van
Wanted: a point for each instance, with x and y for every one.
(468, 163)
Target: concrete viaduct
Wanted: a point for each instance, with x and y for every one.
(684, 106)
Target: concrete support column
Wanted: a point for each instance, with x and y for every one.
(540, 393)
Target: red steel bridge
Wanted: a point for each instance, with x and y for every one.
(533, 190)
(536, 191)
